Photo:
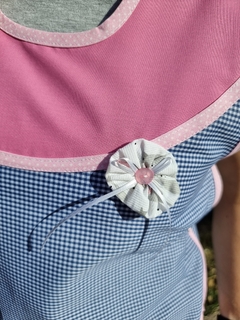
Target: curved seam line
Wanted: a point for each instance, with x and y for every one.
(100, 162)
(61, 39)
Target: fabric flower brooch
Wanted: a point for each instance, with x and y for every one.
(149, 171)
(142, 175)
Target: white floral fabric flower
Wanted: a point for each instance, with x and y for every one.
(150, 172)
(142, 175)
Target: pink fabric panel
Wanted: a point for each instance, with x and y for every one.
(218, 185)
(100, 162)
(161, 70)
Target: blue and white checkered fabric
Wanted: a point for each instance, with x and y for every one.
(108, 262)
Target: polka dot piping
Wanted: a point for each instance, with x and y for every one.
(75, 39)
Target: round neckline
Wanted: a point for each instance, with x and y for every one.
(75, 39)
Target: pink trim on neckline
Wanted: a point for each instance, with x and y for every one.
(100, 162)
(75, 39)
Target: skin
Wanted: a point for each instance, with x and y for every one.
(226, 238)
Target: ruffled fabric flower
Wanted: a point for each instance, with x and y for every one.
(151, 172)
(142, 175)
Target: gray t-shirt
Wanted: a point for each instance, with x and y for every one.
(59, 15)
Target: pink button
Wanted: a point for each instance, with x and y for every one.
(144, 175)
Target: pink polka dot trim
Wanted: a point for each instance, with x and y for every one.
(75, 39)
(100, 162)
(54, 164)
(201, 120)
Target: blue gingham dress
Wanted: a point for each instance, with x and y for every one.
(108, 262)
